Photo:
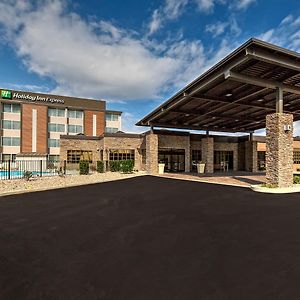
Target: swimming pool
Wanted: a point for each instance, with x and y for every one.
(19, 174)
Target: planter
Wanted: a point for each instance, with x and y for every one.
(200, 168)
(161, 168)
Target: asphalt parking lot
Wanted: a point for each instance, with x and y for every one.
(150, 238)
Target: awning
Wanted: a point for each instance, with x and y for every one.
(237, 93)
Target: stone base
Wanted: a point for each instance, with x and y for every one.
(279, 150)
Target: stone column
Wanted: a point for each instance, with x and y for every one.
(152, 153)
(207, 145)
(279, 149)
(187, 159)
(251, 156)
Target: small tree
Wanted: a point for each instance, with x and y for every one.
(84, 167)
(100, 166)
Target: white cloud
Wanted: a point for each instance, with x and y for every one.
(243, 4)
(95, 59)
(171, 10)
(205, 5)
(286, 34)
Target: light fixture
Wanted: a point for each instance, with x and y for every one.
(187, 115)
(228, 95)
(260, 100)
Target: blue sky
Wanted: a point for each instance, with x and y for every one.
(134, 54)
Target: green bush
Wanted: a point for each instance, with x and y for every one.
(296, 179)
(100, 166)
(126, 166)
(27, 175)
(84, 167)
(115, 165)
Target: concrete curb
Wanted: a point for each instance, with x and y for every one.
(18, 192)
(261, 189)
(203, 181)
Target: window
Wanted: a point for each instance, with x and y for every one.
(11, 108)
(112, 117)
(56, 112)
(297, 156)
(74, 156)
(7, 124)
(53, 143)
(121, 154)
(111, 130)
(10, 141)
(78, 114)
(6, 157)
(53, 158)
(56, 127)
(75, 129)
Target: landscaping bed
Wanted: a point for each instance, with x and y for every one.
(51, 182)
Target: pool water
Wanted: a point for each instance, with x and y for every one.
(19, 174)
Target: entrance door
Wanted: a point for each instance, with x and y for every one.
(221, 157)
(174, 159)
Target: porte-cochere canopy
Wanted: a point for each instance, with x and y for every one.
(237, 93)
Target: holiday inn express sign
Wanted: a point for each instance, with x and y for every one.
(7, 94)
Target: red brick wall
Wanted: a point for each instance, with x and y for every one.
(42, 123)
(88, 122)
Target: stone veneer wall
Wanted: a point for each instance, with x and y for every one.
(208, 154)
(251, 156)
(152, 153)
(177, 142)
(132, 143)
(229, 147)
(279, 150)
(85, 145)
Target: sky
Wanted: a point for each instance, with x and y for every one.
(134, 54)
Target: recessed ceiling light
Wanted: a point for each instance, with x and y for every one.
(288, 104)
(260, 100)
(216, 126)
(236, 120)
(228, 95)
(187, 115)
(213, 118)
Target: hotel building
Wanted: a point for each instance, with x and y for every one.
(32, 123)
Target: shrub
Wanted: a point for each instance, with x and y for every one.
(115, 165)
(100, 166)
(84, 167)
(126, 166)
(269, 185)
(296, 179)
(27, 175)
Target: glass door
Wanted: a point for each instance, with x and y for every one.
(174, 159)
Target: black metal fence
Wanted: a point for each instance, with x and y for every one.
(38, 168)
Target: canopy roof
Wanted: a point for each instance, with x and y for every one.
(237, 93)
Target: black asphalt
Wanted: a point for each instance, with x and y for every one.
(150, 238)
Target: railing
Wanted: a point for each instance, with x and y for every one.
(38, 168)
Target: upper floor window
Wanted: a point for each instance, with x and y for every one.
(56, 112)
(111, 130)
(53, 142)
(7, 124)
(112, 117)
(56, 127)
(75, 129)
(78, 114)
(10, 141)
(11, 107)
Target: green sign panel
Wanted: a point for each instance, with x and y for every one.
(6, 94)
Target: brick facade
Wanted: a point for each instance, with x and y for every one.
(88, 122)
(279, 150)
(42, 128)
